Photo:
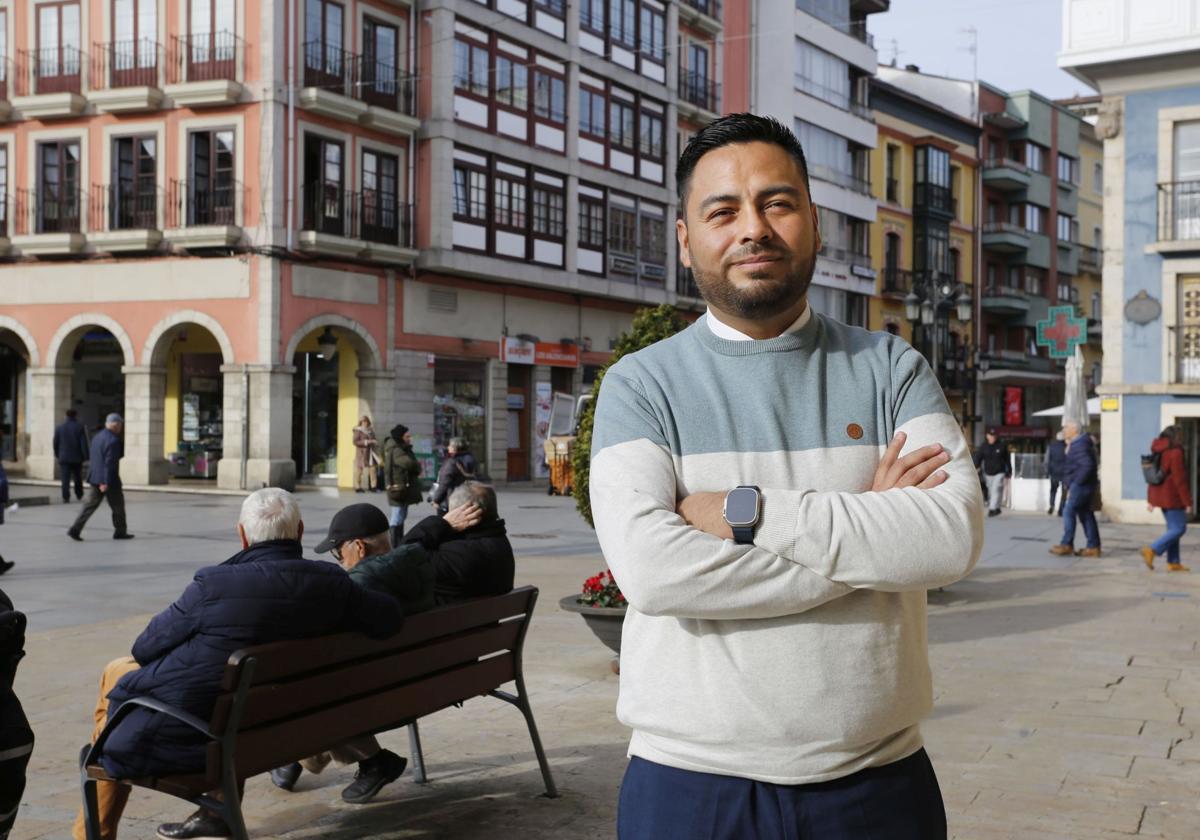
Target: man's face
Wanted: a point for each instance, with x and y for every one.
(116, 427)
(749, 231)
(350, 553)
(1070, 433)
(991, 438)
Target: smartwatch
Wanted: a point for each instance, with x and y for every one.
(743, 508)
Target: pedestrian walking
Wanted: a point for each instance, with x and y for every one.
(5, 565)
(459, 467)
(401, 478)
(1172, 495)
(992, 456)
(1056, 465)
(71, 450)
(366, 457)
(1082, 481)
(775, 491)
(104, 480)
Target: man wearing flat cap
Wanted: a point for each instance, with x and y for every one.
(104, 480)
(360, 541)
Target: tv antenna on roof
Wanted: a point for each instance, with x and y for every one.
(973, 48)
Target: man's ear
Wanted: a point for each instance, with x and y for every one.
(816, 219)
(242, 536)
(681, 234)
(300, 531)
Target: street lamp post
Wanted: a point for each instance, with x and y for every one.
(926, 300)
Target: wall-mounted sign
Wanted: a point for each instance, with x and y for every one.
(1062, 332)
(1014, 406)
(514, 351)
(1110, 403)
(1142, 309)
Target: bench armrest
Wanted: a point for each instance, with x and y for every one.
(146, 703)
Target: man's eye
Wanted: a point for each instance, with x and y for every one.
(720, 213)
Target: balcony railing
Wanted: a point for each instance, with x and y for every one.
(837, 98)
(361, 77)
(49, 210)
(56, 69)
(193, 204)
(1090, 256)
(1178, 211)
(997, 163)
(4, 74)
(845, 255)
(1004, 227)
(120, 64)
(841, 179)
(1184, 346)
(712, 8)
(897, 281)
(934, 197)
(700, 91)
(205, 57)
(685, 283)
(1005, 291)
(123, 207)
(3, 213)
(371, 216)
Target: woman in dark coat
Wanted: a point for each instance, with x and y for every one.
(401, 478)
(1173, 496)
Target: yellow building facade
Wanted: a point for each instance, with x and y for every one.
(924, 242)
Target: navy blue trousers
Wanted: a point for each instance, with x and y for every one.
(899, 801)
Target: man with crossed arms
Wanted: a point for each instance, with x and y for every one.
(775, 492)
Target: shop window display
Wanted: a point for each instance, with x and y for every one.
(200, 422)
(458, 411)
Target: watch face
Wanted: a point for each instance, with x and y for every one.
(741, 506)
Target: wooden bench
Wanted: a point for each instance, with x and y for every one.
(286, 701)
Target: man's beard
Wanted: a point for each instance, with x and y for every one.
(769, 295)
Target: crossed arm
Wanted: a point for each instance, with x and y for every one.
(919, 526)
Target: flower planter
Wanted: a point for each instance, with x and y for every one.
(605, 622)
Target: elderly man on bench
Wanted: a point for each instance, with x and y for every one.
(267, 592)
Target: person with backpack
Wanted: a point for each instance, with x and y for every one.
(1168, 489)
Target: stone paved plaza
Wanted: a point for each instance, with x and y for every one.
(1067, 691)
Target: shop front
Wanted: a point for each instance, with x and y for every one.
(193, 409)
(459, 411)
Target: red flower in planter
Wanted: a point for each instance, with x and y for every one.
(602, 591)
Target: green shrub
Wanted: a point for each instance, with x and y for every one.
(649, 326)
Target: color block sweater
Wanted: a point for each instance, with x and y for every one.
(803, 657)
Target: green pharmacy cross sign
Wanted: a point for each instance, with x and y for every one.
(1062, 332)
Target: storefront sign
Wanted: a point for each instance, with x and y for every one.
(1110, 403)
(514, 351)
(1014, 406)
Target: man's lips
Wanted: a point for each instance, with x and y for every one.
(755, 262)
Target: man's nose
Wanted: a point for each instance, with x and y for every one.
(754, 226)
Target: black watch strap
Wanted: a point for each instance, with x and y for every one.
(743, 534)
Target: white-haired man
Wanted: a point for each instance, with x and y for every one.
(267, 592)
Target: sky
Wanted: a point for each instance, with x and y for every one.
(1018, 42)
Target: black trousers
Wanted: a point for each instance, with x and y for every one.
(71, 473)
(899, 801)
(116, 502)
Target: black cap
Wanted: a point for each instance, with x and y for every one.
(355, 522)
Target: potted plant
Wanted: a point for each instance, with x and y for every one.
(602, 606)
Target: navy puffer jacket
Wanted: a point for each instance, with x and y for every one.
(267, 593)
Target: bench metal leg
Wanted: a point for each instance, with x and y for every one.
(418, 757)
(91, 808)
(521, 701)
(231, 807)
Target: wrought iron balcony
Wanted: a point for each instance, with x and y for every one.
(897, 282)
(685, 283)
(1184, 347)
(57, 69)
(699, 90)
(934, 198)
(123, 207)
(50, 209)
(712, 8)
(1179, 211)
(119, 64)
(202, 203)
(205, 57)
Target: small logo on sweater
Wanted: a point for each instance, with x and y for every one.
(855, 431)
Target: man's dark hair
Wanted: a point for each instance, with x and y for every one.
(730, 129)
(72, 413)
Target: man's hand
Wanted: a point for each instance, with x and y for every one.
(706, 512)
(916, 469)
(464, 517)
(103, 488)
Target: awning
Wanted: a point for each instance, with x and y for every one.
(1093, 406)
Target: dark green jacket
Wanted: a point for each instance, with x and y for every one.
(405, 573)
(401, 471)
